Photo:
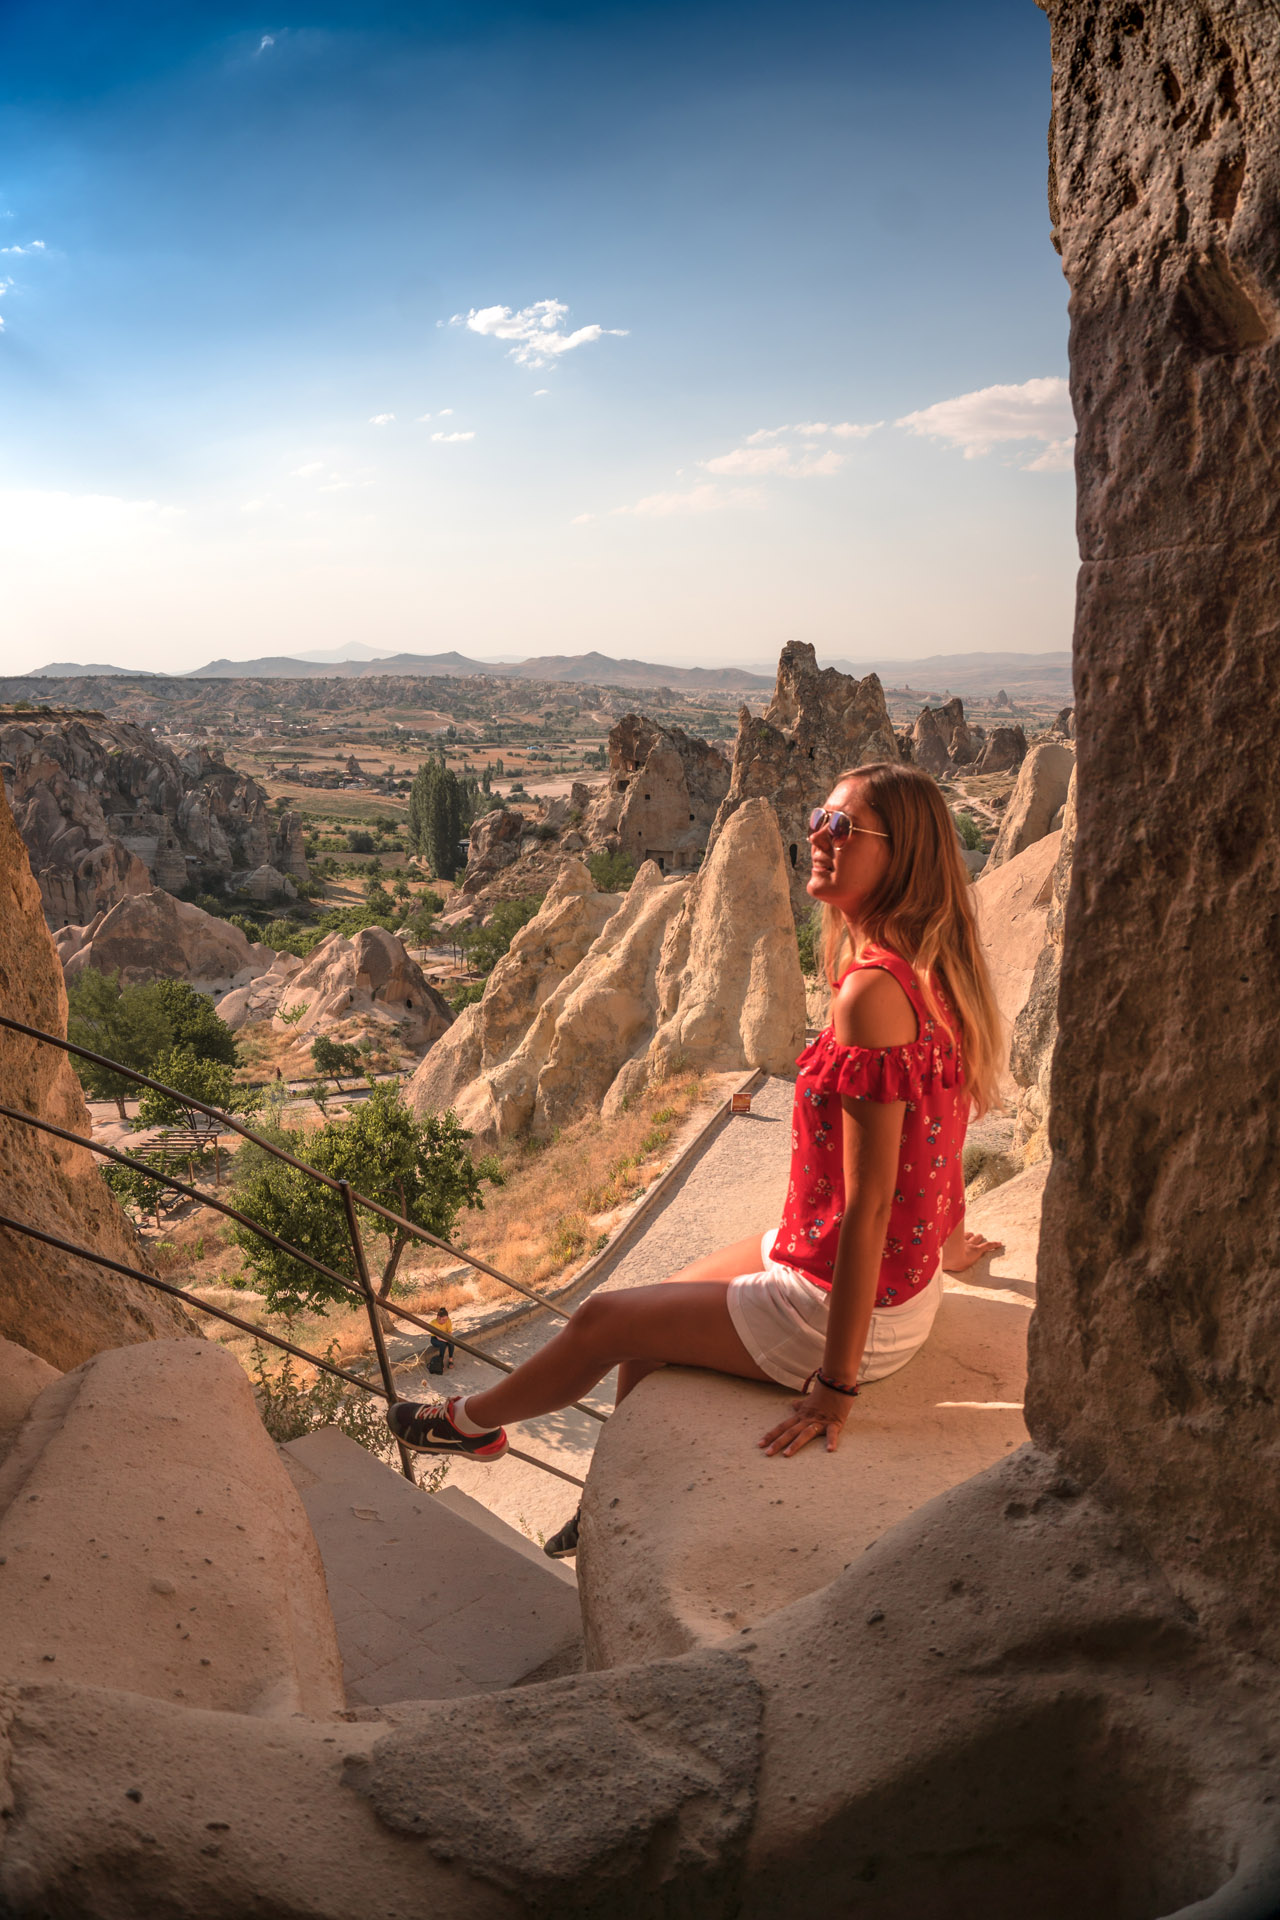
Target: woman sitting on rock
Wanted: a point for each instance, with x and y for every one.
(844, 1290)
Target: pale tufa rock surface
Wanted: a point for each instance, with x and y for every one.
(1012, 907)
(542, 954)
(61, 1308)
(730, 991)
(942, 740)
(151, 1539)
(23, 1377)
(370, 974)
(259, 997)
(819, 723)
(1004, 749)
(1035, 1027)
(152, 936)
(1038, 797)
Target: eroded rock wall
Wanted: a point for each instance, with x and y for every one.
(819, 722)
(61, 1308)
(1155, 1352)
(660, 802)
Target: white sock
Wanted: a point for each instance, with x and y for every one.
(458, 1415)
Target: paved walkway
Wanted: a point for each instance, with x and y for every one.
(736, 1187)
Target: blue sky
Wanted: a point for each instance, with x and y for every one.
(670, 330)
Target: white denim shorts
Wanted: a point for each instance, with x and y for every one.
(780, 1316)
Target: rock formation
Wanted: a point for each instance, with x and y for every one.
(1003, 750)
(58, 1307)
(1036, 803)
(700, 973)
(152, 936)
(369, 977)
(1035, 1030)
(267, 886)
(259, 997)
(942, 740)
(106, 811)
(660, 802)
(817, 724)
(493, 843)
(1012, 905)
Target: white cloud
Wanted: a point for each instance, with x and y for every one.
(267, 40)
(448, 438)
(539, 391)
(535, 330)
(445, 412)
(33, 246)
(381, 419)
(309, 472)
(810, 429)
(253, 506)
(782, 463)
(703, 499)
(1058, 457)
(991, 416)
(332, 480)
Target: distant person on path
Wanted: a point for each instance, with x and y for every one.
(440, 1341)
(845, 1289)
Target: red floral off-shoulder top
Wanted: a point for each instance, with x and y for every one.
(929, 1196)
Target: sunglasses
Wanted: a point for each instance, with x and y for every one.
(838, 824)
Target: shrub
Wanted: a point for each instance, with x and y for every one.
(612, 872)
(485, 946)
(289, 1409)
(467, 996)
(809, 941)
(970, 832)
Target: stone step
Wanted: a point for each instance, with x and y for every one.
(428, 1604)
(498, 1529)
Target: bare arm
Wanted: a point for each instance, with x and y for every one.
(871, 1010)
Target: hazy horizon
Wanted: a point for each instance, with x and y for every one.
(670, 333)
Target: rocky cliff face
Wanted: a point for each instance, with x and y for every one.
(664, 789)
(106, 811)
(943, 740)
(1155, 1362)
(369, 977)
(63, 1309)
(819, 723)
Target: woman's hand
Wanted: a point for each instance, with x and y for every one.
(817, 1411)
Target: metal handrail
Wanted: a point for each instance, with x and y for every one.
(350, 1198)
(247, 1133)
(264, 1233)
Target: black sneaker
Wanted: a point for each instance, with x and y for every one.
(564, 1543)
(426, 1426)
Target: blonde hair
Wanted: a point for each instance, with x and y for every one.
(923, 910)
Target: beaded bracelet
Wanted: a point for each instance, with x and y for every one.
(824, 1381)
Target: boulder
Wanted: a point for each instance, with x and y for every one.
(60, 1308)
(818, 724)
(369, 974)
(152, 936)
(23, 1376)
(1003, 751)
(1012, 906)
(1037, 798)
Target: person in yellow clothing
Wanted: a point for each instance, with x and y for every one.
(442, 1327)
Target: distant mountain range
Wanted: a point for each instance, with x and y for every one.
(1031, 675)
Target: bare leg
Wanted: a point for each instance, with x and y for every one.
(646, 1326)
(725, 1264)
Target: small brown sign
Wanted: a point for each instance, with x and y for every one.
(740, 1103)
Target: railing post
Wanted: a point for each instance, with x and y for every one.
(375, 1325)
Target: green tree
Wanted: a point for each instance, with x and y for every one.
(188, 1073)
(130, 1027)
(436, 808)
(135, 1189)
(612, 872)
(421, 1168)
(969, 830)
(332, 1058)
(484, 946)
(194, 1024)
(401, 889)
(378, 900)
